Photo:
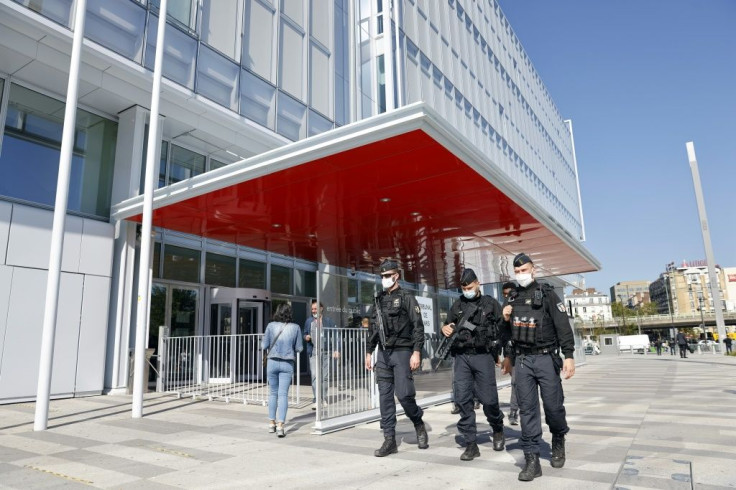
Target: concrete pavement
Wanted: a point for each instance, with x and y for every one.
(636, 422)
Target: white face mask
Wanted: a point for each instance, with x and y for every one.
(388, 282)
(470, 294)
(524, 279)
(314, 315)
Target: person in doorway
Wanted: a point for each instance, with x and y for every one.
(319, 327)
(282, 341)
(540, 331)
(402, 323)
(682, 343)
(728, 342)
(507, 290)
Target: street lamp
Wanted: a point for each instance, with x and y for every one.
(702, 320)
(623, 313)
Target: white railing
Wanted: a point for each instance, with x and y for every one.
(226, 367)
(349, 387)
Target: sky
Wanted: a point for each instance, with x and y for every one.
(639, 79)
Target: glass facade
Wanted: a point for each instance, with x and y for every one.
(237, 53)
(31, 147)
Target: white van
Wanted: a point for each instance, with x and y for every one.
(637, 343)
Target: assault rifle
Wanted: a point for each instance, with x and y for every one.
(447, 343)
(379, 322)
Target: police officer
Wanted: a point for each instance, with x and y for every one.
(540, 329)
(476, 318)
(404, 330)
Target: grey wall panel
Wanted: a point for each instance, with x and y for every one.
(30, 239)
(98, 242)
(22, 345)
(66, 343)
(6, 210)
(6, 277)
(93, 335)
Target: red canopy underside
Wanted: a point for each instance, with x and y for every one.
(440, 216)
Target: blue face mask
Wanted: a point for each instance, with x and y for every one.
(470, 294)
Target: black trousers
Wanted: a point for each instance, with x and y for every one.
(394, 377)
(535, 374)
(475, 377)
(683, 350)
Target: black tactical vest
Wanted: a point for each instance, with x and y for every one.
(528, 317)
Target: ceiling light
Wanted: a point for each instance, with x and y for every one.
(385, 199)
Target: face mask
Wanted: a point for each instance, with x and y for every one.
(470, 294)
(387, 282)
(314, 315)
(524, 279)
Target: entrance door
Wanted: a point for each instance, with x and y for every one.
(246, 355)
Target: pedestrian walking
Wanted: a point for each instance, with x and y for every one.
(282, 341)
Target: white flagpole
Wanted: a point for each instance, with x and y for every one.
(43, 391)
(144, 266)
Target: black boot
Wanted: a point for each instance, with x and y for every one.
(558, 451)
(455, 409)
(422, 437)
(532, 469)
(471, 452)
(514, 417)
(499, 441)
(388, 447)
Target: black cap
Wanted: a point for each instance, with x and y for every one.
(508, 285)
(522, 259)
(389, 265)
(468, 276)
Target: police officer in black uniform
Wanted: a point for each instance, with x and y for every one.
(540, 329)
(477, 318)
(402, 320)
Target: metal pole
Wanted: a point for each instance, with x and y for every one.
(714, 284)
(399, 58)
(144, 266)
(43, 389)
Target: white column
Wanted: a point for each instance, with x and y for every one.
(48, 335)
(144, 282)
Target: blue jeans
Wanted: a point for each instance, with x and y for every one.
(279, 373)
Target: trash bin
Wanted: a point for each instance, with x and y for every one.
(131, 370)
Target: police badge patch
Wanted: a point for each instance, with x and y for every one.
(397, 302)
(561, 307)
(416, 308)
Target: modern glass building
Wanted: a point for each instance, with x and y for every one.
(301, 141)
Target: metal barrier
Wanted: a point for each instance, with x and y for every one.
(227, 367)
(347, 386)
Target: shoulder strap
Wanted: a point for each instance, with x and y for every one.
(283, 327)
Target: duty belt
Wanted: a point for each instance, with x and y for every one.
(474, 350)
(532, 351)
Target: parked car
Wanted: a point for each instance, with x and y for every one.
(592, 350)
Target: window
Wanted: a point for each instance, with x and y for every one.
(281, 279)
(291, 59)
(185, 164)
(117, 26)
(252, 274)
(291, 118)
(257, 54)
(219, 270)
(56, 10)
(31, 147)
(181, 264)
(257, 100)
(180, 53)
(217, 78)
(221, 26)
(305, 283)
